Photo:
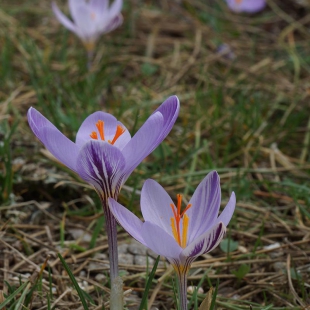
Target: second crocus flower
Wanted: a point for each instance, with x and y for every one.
(247, 6)
(91, 19)
(179, 234)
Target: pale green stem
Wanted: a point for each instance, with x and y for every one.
(182, 285)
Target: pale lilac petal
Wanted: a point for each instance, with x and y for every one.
(248, 6)
(143, 142)
(59, 145)
(101, 164)
(155, 205)
(205, 202)
(206, 242)
(131, 223)
(115, 8)
(170, 110)
(99, 6)
(84, 19)
(63, 19)
(113, 24)
(159, 241)
(227, 213)
(110, 124)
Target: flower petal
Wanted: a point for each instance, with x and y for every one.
(227, 213)
(248, 6)
(109, 127)
(113, 24)
(63, 19)
(101, 164)
(155, 205)
(206, 242)
(84, 19)
(99, 6)
(143, 142)
(159, 241)
(59, 145)
(205, 202)
(170, 110)
(131, 223)
(115, 8)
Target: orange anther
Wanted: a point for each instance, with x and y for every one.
(94, 135)
(99, 126)
(119, 131)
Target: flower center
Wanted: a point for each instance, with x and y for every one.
(93, 15)
(238, 1)
(180, 237)
(100, 126)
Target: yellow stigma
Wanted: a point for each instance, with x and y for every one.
(100, 127)
(176, 220)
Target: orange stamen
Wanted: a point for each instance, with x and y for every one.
(119, 131)
(94, 135)
(99, 126)
(176, 219)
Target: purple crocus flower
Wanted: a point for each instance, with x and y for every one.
(180, 236)
(247, 6)
(104, 154)
(91, 19)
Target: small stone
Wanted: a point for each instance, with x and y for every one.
(279, 266)
(80, 233)
(191, 289)
(137, 248)
(82, 273)
(125, 259)
(142, 260)
(97, 266)
(101, 256)
(123, 248)
(100, 277)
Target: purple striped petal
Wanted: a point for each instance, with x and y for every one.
(152, 133)
(159, 241)
(110, 124)
(155, 205)
(114, 23)
(143, 142)
(227, 213)
(63, 19)
(102, 165)
(206, 242)
(170, 110)
(131, 223)
(59, 145)
(248, 6)
(205, 203)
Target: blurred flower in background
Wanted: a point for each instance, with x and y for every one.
(248, 6)
(91, 19)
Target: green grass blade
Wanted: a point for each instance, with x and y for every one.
(12, 296)
(74, 282)
(148, 285)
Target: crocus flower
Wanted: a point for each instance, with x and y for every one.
(104, 154)
(247, 6)
(180, 236)
(91, 19)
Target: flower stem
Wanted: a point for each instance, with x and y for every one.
(117, 300)
(182, 281)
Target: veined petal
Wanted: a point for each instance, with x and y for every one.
(143, 142)
(101, 164)
(205, 202)
(206, 242)
(74, 7)
(228, 211)
(58, 144)
(159, 241)
(170, 110)
(109, 127)
(63, 19)
(155, 205)
(131, 223)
